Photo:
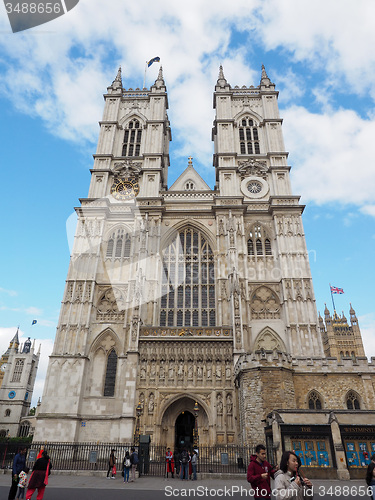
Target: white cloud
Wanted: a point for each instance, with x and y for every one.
(333, 149)
(367, 326)
(368, 210)
(34, 311)
(340, 40)
(11, 293)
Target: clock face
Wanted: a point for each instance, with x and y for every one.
(254, 187)
(125, 189)
(3, 366)
(12, 394)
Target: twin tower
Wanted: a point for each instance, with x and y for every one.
(186, 296)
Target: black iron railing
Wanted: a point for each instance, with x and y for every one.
(229, 459)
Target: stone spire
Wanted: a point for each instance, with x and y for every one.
(117, 82)
(221, 81)
(265, 81)
(159, 82)
(13, 344)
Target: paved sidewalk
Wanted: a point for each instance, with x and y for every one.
(158, 483)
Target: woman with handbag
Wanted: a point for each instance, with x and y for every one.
(112, 465)
(39, 477)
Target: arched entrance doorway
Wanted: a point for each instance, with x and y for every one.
(177, 422)
(184, 428)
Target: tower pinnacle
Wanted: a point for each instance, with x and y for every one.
(159, 82)
(117, 82)
(221, 80)
(264, 80)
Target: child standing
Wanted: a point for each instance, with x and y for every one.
(22, 482)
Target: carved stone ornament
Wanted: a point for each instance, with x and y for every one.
(252, 167)
(265, 304)
(127, 168)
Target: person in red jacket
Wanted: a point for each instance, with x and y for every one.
(259, 473)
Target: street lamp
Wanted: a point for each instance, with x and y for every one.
(137, 432)
(195, 433)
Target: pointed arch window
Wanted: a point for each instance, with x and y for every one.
(249, 137)
(188, 282)
(352, 401)
(258, 243)
(119, 245)
(132, 139)
(110, 375)
(18, 370)
(314, 401)
(24, 429)
(189, 186)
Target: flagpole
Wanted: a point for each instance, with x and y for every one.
(334, 308)
(144, 79)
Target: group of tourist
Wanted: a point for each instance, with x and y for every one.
(184, 462)
(129, 465)
(38, 479)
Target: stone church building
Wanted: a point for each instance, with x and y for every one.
(18, 369)
(186, 296)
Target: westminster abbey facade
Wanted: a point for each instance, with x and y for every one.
(181, 297)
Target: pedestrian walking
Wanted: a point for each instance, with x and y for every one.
(259, 473)
(126, 465)
(176, 456)
(111, 473)
(19, 463)
(134, 461)
(22, 483)
(288, 482)
(39, 477)
(184, 461)
(194, 463)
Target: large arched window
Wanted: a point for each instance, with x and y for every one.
(132, 139)
(18, 370)
(119, 245)
(249, 139)
(188, 282)
(352, 401)
(110, 374)
(258, 243)
(314, 401)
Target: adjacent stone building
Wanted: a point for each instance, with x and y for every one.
(188, 297)
(18, 369)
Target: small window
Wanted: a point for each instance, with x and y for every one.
(352, 401)
(7, 412)
(189, 186)
(314, 402)
(250, 247)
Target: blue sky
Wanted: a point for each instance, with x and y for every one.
(51, 83)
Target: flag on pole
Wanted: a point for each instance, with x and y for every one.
(335, 289)
(151, 61)
(34, 322)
